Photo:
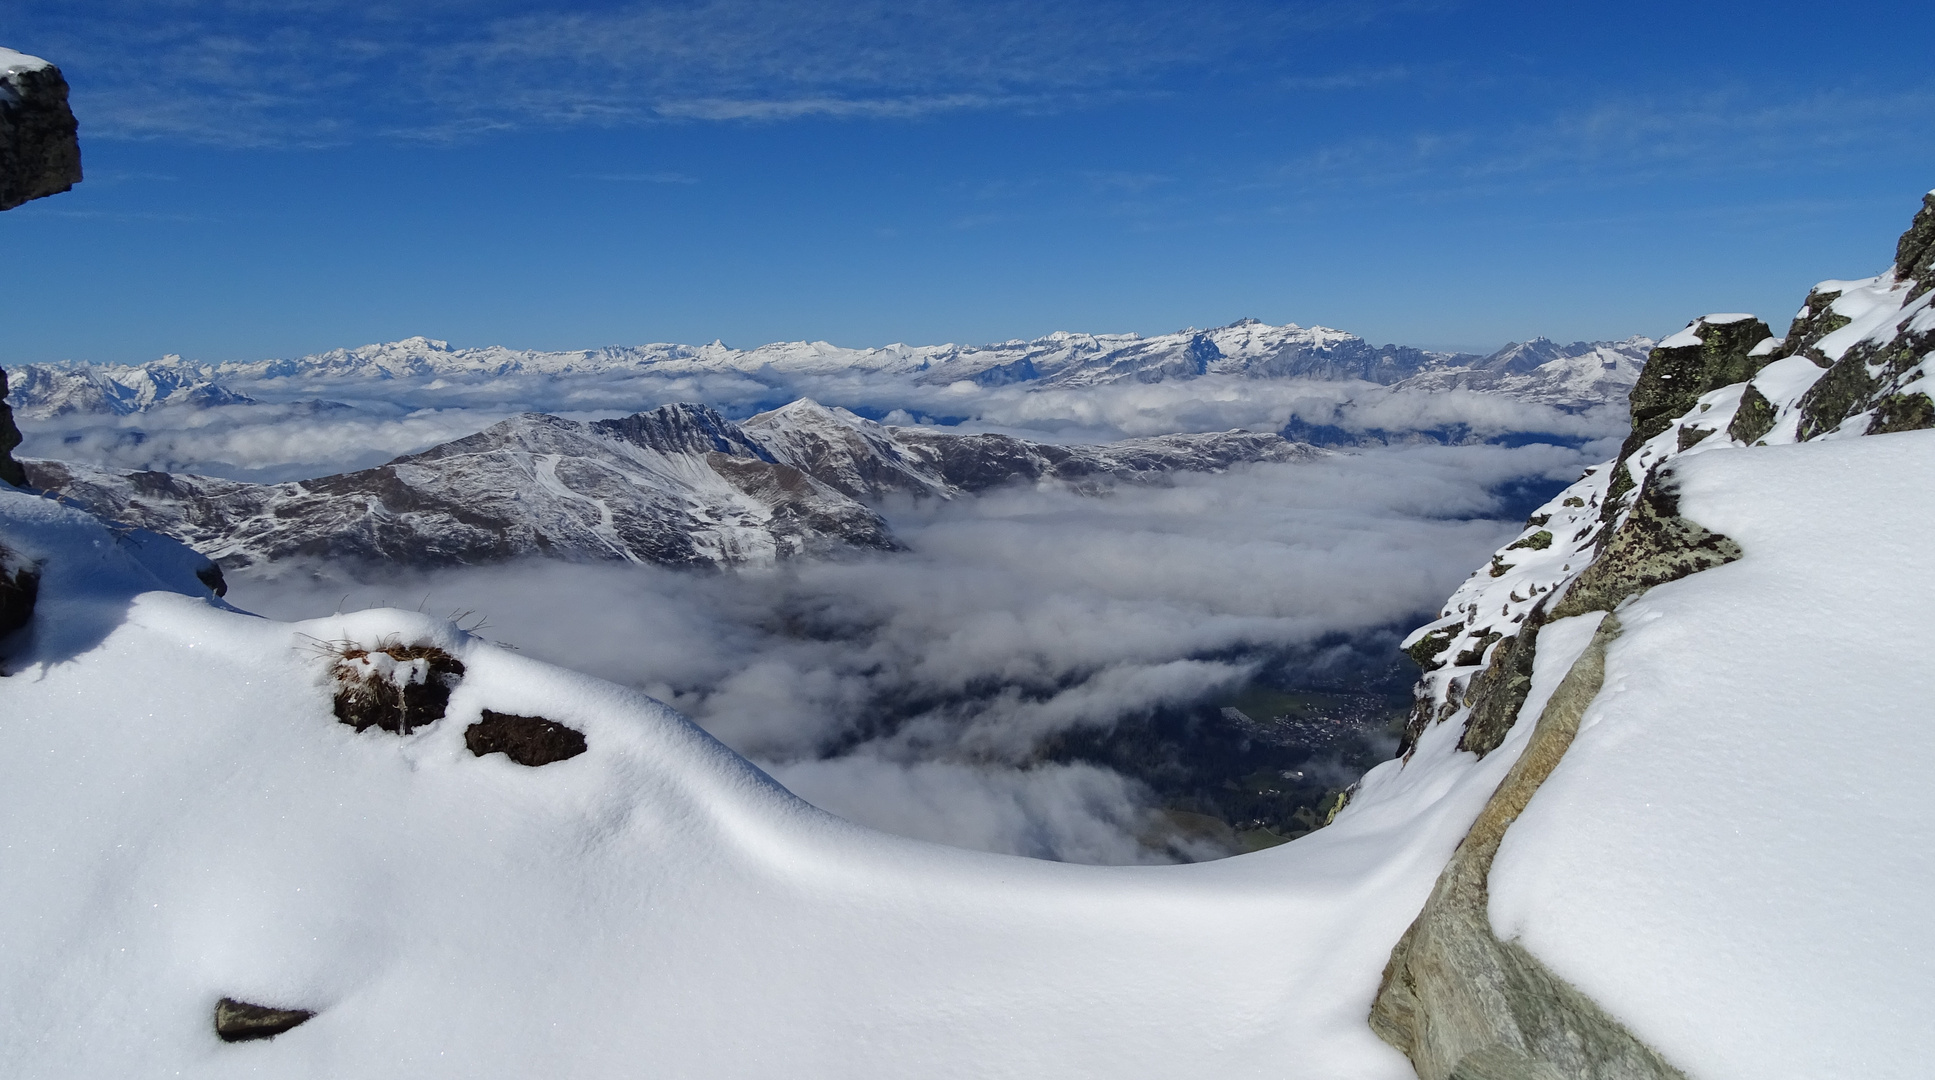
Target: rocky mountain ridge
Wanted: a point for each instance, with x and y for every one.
(677, 486)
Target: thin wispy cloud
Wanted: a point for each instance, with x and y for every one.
(246, 74)
(1616, 140)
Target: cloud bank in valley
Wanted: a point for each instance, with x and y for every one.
(367, 422)
(914, 691)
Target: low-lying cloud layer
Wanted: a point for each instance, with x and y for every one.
(302, 438)
(913, 691)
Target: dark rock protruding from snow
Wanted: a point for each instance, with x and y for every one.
(1915, 251)
(240, 1021)
(395, 687)
(40, 153)
(1462, 1004)
(527, 740)
(10, 470)
(1710, 353)
(19, 589)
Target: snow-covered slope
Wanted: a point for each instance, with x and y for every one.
(678, 486)
(1733, 856)
(1729, 858)
(182, 820)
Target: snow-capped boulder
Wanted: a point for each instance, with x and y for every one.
(39, 152)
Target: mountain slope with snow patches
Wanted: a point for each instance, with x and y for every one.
(678, 486)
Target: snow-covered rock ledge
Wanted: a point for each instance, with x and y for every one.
(40, 154)
(1673, 894)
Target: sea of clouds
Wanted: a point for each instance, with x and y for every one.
(912, 691)
(312, 427)
(915, 691)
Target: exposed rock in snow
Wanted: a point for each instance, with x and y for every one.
(392, 686)
(19, 588)
(1462, 1003)
(679, 486)
(10, 470)
(242, 1021)
(39, 152)
(527, 740)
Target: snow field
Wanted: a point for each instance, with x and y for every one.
(1734, 856)
(182, 818)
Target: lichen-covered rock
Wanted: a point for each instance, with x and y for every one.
(1846, 389)
(1753, 419)
(1653, 546)
(527, 740)
(1497, 692)
(1705, 356)
(393, 686)
(1915, 252)
(1691, 436)
(1816, 320)
(40, 153)
(1902, 412)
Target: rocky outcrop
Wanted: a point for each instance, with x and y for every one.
(19, 589)
(40, 153)
(10, 470)
(1464, 1005)
(1457, 1000)
(1712, 352)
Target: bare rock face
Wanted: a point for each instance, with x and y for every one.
(1464, 1005)
(40, 154)
(10, 470)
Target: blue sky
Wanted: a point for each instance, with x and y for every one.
(271, 179)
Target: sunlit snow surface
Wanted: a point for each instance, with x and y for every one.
(182, 818)
(1737, 855)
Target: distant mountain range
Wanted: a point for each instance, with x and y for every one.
(678, 486)
(1578, 375)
